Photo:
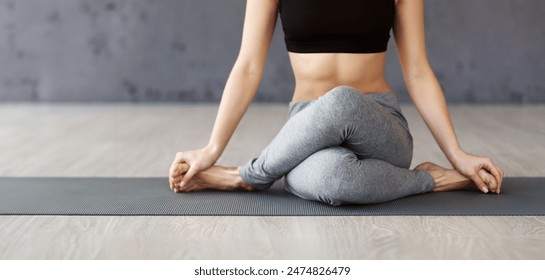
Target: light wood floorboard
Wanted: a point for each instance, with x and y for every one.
(127, 140)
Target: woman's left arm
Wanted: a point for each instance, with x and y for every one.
(428, 96)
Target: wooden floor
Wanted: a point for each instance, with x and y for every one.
(124, 140)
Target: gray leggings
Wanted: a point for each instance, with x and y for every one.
(345, 147)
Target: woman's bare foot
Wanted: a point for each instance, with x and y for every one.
(215, 178)
(450, 179)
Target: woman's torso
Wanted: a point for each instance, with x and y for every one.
(316, 74)
(333, 43)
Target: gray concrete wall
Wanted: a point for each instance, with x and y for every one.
(183, 50)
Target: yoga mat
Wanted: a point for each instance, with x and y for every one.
(152, 197)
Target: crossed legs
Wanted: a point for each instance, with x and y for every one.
(344, 148)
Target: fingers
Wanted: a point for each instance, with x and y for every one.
(187, 177)
(496, 172)
(173, 169)
(492, 183)
(479, 183)
(176, 170)
(175, 183)
(489, 180)
(170, 172)
(501, 182)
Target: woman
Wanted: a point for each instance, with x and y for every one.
(346, 140)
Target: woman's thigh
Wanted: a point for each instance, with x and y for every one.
(371, 125)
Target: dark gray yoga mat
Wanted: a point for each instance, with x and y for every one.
(151, 197)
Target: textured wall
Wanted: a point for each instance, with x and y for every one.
(183, 50)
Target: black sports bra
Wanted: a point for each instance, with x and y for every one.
(340, 26)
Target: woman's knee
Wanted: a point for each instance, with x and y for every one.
(343, 101)
(342, 94)
(322, 176)
(317, 190)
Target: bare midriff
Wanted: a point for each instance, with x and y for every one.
(318, 73)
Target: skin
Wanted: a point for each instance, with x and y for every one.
(316, 74)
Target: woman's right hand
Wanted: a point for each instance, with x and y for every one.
(197, 160)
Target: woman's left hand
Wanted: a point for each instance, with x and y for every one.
(477, 168)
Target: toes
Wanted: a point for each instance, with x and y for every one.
(182, 168)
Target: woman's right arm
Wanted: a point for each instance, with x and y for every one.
(240, 89)
(246, 74)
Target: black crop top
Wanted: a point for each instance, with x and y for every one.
(340, 26)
